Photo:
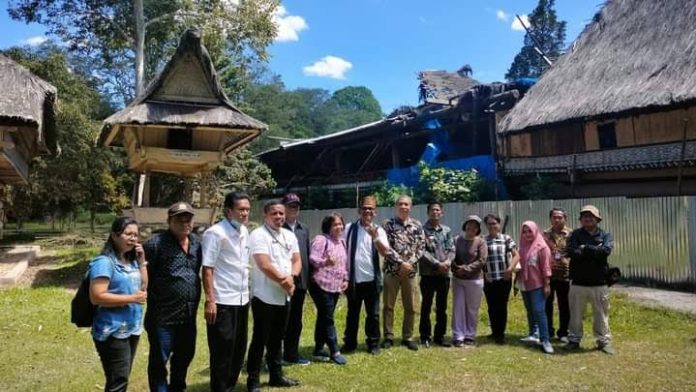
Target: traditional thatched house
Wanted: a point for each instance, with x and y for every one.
(27, 120)
(184, 123)
(616, 114)
(453, 128)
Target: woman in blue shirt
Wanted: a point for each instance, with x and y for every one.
(118, 288)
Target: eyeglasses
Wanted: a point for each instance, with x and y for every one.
(130, 235)
(367, 208)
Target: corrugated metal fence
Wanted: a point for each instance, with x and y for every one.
(653, 237)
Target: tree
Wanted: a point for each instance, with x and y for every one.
(83, 176)
(448, 185)
(128, 41)
(242, 172)
(546, 32)
(350, 107)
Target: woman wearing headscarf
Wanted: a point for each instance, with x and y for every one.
(329, 279)
(535, 260)
(118, 280)
(467, 281)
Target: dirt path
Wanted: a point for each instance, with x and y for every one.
(656, 298)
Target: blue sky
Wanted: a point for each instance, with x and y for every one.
(382, 44)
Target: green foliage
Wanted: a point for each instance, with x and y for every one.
(83, 176)
(350, 107)
(240, 171)
(539, 188)
(236, 35)
(387, 193)
(549, 32)
(448, 185)
(305, 113)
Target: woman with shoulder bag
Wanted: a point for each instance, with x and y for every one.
(467, 281)
(118, 288)
(329, 279)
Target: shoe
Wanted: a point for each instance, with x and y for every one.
(531, 339)
(563, 339)
(387, 343)
(458, 343)
(606, 348)
(374, 350)
(425, 343)
(442, 343)
(283, 382)
(299, 360)
(469, 342)
(410, 344)
(571, 346)
(499, 340)
(348, 348)
(339, 359)
(546, 347)
(321, 356)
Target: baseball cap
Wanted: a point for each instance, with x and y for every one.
(180, 207)
(291, 198)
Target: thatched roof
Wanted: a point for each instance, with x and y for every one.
(29, 100)
(441, 86)
(636, 54)
(186, 93)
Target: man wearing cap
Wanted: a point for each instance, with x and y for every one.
(226, 285)
(276, 261)
(291, 341)
(174, 291)
(588, 249)
(407, 243)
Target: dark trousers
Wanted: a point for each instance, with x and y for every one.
(269, 327)
(177, 342)
(325, 327)
(367, 293)
(227, 343)
(497, 295)
(559, 290)
(117, 357)
(438, 287)
(291, 341)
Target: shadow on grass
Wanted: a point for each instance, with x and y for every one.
(69, 273)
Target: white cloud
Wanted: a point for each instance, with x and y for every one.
(329, 67)
(502, 15)
(289, 26)
(517, 26)
(34, 41)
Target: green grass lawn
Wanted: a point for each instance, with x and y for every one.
(656, 350)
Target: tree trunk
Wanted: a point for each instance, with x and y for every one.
(139, 46)
(92, 217)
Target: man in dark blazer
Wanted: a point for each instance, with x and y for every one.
(291, 341)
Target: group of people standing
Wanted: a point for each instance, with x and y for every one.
(173, 269)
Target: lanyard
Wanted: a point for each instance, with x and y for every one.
(276, 239)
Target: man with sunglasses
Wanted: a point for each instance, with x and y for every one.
(365, 243)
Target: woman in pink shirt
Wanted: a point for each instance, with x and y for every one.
(329, 279)
(535, 260)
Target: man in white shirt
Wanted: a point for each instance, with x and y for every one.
(277, 261)
(226, 286)
(365, 243)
